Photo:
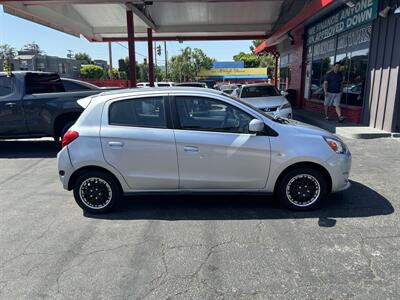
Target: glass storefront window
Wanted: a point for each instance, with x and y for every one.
(284, 78)
(350, 49)
(284, 72)
(353, 91)
(316, 90)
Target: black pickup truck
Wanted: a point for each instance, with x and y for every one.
(36, 104)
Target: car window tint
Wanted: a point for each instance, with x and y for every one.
(259, 91)
(199, 113)
(162, 84)
(43, 83)
(144, 112)
(73, 86)
(5, 86)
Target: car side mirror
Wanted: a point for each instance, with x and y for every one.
(284, 94)
(256, 126)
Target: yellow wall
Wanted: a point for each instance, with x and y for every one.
(233, 72)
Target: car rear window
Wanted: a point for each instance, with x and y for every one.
(36, 83)
(143, 112)
(259, 91)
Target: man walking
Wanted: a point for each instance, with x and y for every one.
(333, 86)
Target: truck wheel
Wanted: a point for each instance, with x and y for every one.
(301, 189)
(96, 192)
(65, 128)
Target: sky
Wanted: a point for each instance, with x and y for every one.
(18, 32)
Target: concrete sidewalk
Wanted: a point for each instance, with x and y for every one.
(346, 129)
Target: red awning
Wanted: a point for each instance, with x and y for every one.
(306, 13)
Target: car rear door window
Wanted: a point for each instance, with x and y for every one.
(5, 86)
(143, 112)
(37, 83)
(206, 114)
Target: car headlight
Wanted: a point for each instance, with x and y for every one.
(286, 105)
(338, 146)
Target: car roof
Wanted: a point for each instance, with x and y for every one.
(256, 84)
(29, 72)
(154, 90)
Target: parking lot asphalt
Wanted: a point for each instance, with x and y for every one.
(198, 247)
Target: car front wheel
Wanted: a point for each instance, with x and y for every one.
(96, 192)
(302, 189)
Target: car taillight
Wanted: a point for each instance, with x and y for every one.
(68, 137)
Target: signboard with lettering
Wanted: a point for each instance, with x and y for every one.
(233, 71)
(364, 11)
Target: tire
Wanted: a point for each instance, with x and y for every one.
(301, 189)
(66, 127)
(92, 185)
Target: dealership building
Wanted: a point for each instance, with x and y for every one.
(364, 37)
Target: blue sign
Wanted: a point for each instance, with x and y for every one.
(228, 64)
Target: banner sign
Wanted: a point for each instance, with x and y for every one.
(233, 71)
(364, 11)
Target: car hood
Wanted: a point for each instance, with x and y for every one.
(262, 102)
(304, 128)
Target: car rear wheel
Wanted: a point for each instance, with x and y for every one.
(96, 192)
(302, 189)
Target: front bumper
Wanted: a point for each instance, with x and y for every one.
(339, 168)
(64, 164)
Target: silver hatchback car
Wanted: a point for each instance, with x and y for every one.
(195, 140)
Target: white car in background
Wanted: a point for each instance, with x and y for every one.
(228, 88)
(156, 84)
(267, 98)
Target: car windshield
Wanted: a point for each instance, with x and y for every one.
(259, 91)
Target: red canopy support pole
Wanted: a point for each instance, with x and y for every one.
(131, 49)
(150, 54)
(276, 71)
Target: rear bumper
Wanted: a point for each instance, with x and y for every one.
(64, 164)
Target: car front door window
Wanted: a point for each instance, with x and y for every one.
(206, 114)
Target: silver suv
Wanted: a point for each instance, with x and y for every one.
(197, 140)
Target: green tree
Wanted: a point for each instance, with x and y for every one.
(33, 47)
(91, 71)
(200, 60)
(185, 66)
(250, 60)
(83, 56)
(255, 44)
(123, 67)
(143, 74)
(6, 51)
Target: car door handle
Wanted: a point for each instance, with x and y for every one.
(116, 144)
(190, 149)
(10, 104)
